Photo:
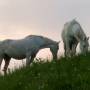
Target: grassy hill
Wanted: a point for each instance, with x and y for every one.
(65, 74)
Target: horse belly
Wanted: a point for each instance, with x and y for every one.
(16, 53)
(18, 57)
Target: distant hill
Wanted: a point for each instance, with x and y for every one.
(64, 74)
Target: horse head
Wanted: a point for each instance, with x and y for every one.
(84, 44)
(54, 49)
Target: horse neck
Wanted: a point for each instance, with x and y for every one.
(47, 44)
(81, 32)
(82, 36)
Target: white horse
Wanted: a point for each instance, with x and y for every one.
(73, 34)
(27, 48)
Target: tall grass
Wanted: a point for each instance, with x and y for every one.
(63, 74)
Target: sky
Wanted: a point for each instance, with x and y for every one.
(19, 18)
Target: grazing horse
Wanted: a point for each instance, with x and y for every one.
(73, 34)
(27, 48)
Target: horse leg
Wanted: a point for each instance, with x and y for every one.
(71, 48)
(67, 49)
(74, 48)
(7, 61)
(28, 57)
(1, 59)
(32, 58)
(27, 60)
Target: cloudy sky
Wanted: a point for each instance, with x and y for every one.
(19, 18)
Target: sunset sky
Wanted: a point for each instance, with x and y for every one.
(19, 18)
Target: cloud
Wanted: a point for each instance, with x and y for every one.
(41, 16)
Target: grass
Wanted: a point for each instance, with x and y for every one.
(64, 74)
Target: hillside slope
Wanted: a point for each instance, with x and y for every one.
(65, 74)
